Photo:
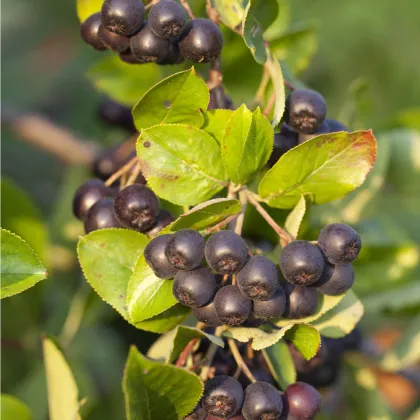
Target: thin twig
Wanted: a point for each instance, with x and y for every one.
(187, 7)
(134, 174)
(215, 74)
(211, 352)
(289, 85)
(212, 13)
(186, 352)
(265, 80)
(121, 171)
(149, 5)
(270, 104)
(249, 351)
(220, 225)
(239, 360)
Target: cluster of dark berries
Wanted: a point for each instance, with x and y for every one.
(305, 118)
(166, 37)
(224, 397)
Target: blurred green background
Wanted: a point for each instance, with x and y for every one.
(364, 59)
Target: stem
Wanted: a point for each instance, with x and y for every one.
(249, 351)
(134, 174)
(187, 7)
(240, 220)
(220, 225)
(211, 352)
(270, 105)
(121, 171)
(240, 361)
(149, 5)
(186, 352)
(265, 80)
(215, 75)
(289, 85)
(285, 237)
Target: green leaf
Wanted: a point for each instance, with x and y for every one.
(160, 349)
(247, 144)
(215, 122)
(147, 295)
(295, 217)
(19, 215)
(305, 338)
(178, 99)
(184, 335)
(280, 363)
(123, 82)
(13, 409)
(182, 164)
(276, 74)
(166, 320)
(63, 394)
(253, 35)
(342, 319)
(107, 258)
(20, 266)
(86, 8)
(327, 168)
(207, 214)
(155, 391)
(230, 12)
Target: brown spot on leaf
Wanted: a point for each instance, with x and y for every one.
(167, 104)
(146, 144)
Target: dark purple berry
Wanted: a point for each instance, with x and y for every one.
(174, 55)
(89, 30)
(335, 279)
(207, 314)
(340, 243)
(115, 42)
(262, 402)
(87, 195)
(301, 301)
(128, 57)
(154, 254)
(194, 288)
(322, 129)
(201, 41)
(283, 142)
(226, 252)
(137, 207)
(167, 19)
(116, 115)
(232, 307)
(223, 396)
(101, 216)
(147, 47)
(274, 307)
(124, 17)
(164, 219)
(302, 401)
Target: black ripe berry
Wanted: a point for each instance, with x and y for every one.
(101, 216)
(301, 301)
(167, 19)
(116, 115)
(202, 41)
(128, 57)
(232, 307)
(124, 17)
(335, 280)
(301, 263)
(115, 42)
(185, 250)
(258, 278)
(283, 142)
(226, 252)
(147, 47)
(223, 396)
(89, 30)
(164, 219)
(154, 254)
(197, 414)
(305, 110)
(262, 402)
(174, 55)
(271, 308)
(137, 207)
(340, 243)
(194, 288)
(322, 129)
(207, 314)
(219, 100)
(87, 195)
(302, 401)
(335, 126)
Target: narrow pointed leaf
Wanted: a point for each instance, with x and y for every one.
(295, 217)
(280, 363)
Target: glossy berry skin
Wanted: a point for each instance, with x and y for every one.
(258, 278)
(340, 243)
(226, 252)
(271, 308)
(302, 401)
(89, 30)
(185, 249)
(154, 254)
(164, 219)
(128, 57)
(116, 115)
(223, 396)
(101, 216)
(207, 314)
(147, 47)
(174, 55)
(301, 301)
(305, 110)
(137, 207)
(124, 17)
(262, 401)
(115, 42)
(194, 288)
(201, 41)
(283, 142)
(87, 195)
(167, 19)
(335, 279)
(301, 263)
(232, 307)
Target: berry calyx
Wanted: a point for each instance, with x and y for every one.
(207, 314)
(201, 41)
(154, 254)
(305, 110)
(124, 17)
(232, 307)
(226, 252)
(302, 401)
(335, 279)
(167, 19)
(301, 263)
(115, 42)
(194, 288)
(301, 301)
(137, 207)
(223, 396)
(262, 402)
(258, 278)
(273, 307)
(101, 216)
(147, 47)
(185, 249)
(164, 219)
(89, 31)
(340, 243)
